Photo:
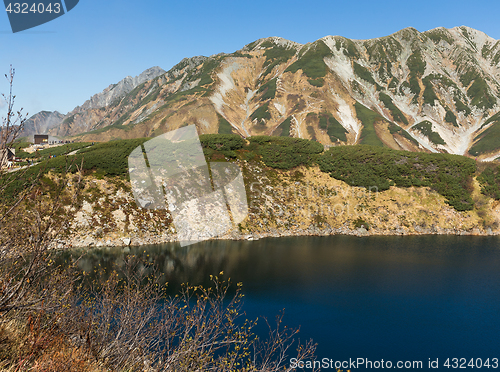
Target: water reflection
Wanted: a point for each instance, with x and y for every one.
(396, 298)
(397, 264)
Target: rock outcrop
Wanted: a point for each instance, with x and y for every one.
(303, 201)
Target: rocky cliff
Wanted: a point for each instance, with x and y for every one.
(302, 201)
(84, 118)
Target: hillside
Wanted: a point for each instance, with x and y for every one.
(435, 91)
(293, 187)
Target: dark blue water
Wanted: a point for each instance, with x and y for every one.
(391, 298)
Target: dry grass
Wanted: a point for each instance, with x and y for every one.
(289, 203)
(32, 345)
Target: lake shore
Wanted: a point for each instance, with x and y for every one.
(281, 204)
(135, 240)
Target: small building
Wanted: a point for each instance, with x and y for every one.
(40, 139)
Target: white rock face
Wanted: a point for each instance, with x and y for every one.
(115, 91)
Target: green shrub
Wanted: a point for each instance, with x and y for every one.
(414, 87)
(311, 132)
(393, 84)
(222, 142)
(268, 90)
(108, 158)
(490, 182)
(377, 169)
(368, 118)
(319, 82)
(487, 141)
(333, 128)
(425, 127)
(283, 129)
(393, 128)
(275, 55)
(429, 94)
(480, 95)
(149, 98)
(276, 52)
(416, 63)
(205, 72)
(311, 62)
(493, 118)
(363, 73)
(285, 152)
(224, 126)
(20, 144)
(451, 118)
(436, 35)
(396, 113)
(261, 114)
(241, 55)
(460, 106)
(350, 49)
(468, 76)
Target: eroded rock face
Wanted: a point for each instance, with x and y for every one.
(79, 118)
(116, 91)
(282, 205)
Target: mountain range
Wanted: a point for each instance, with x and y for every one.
(432, 91)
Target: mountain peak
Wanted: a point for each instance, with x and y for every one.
(41, 122)
(276, 40)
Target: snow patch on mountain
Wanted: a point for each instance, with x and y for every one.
(347, 117)
(248, 111)
(295, 127)
(280, 107)
(226, 83)
(342, 67)
(284, 42)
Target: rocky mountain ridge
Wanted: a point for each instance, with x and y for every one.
(433, 91)
(117, 91)
(41, 123)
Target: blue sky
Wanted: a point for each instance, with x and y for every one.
(62, 63)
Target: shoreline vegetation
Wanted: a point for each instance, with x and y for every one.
(294, 188)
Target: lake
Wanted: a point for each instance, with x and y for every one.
(394, 298)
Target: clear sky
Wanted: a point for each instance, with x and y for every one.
(62, 63)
